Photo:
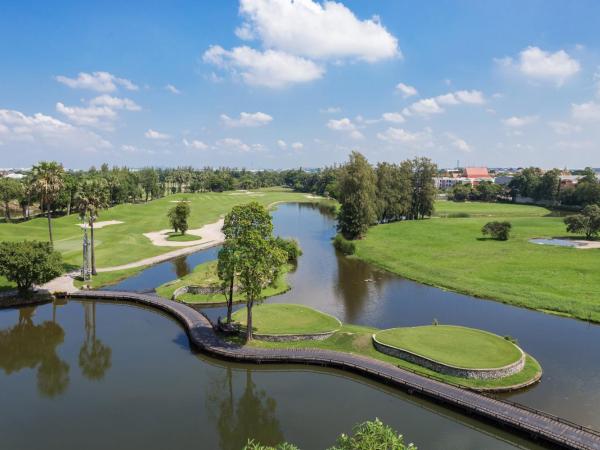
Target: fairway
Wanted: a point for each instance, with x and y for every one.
(282, 319)
(450, 253)
(126, 243)
(455, 346)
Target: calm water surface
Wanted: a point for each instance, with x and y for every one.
(160, 388)
(87, 375)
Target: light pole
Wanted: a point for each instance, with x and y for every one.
(85, 269)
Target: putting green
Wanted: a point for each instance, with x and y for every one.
(453, 345)
(282, 319)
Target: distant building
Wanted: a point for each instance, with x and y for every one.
(476, 172)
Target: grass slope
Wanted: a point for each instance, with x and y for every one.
(453, 345)
(281, 319)
(125, 243)
(450, 253)
(178, 237)
(357, 340)
(205, 275)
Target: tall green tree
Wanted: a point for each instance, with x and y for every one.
(226, 270)
(357, 195)
(423, 188)
(149, 182)
(9, 190)
(588, 222)
(93, 197)
(178, 216)
(48, 181)
(393, 191)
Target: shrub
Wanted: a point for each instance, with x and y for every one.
(497, 230)
(29, 262)
(459, 215)
(511, 339)
(251, 445)
(588, 222)
(291, 247)
(372, 435)
(343, 245)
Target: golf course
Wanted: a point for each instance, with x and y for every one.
(449, 251)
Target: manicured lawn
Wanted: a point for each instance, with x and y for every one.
(450, 253)
(357, 340)
(178, 237)
(287, 319)
(456, 346)
(125, 243)
(205, 275)
(107, 278)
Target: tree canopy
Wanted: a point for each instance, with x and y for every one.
(29, 262)
(178, 217)
(588, 222)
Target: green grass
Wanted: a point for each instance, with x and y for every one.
(450, 253)
(178, 237)
(205, 275)
(357, 340)
(281, 319)
(453, 345)
(125, 243)
(107, 278)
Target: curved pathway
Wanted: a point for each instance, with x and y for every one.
(533, 423)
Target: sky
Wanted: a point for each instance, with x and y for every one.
(282, 83)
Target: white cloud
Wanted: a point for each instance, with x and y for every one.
(430, 106)
(406, 90)
(271, 68)
(585, 112)
(538, 64)
(331, 110)
(401, 136)
(470, 97)
(195, 144)
(257, 119)
(172, 89)
(425, 107)
(316, 30)
(156, 135)
(297, 145)
(100, 112)
(519, 121)
(393, 117)
(245, 33)
(282, 144)
(233, 143)
(97, 81)
(564, 128)
(40, 128)
(458, 143)
(345, 125)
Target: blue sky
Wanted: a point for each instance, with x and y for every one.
(276, 83)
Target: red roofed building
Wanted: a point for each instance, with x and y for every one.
(476, 172)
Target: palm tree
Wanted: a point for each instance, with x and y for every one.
(48, 181)
(93, 196)
(95, 358)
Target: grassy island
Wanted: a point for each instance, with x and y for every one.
(205, 276)
(178, 237)
(358, 340)
(282, 319)
(453, 345)
(448, 251)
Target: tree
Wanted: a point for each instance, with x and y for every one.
(486, 191)
(525, 184)
(9, 190)
(372, 435)
(548, 187)
(29, 262)
(357, 195)
(93, 196)
(178, 216)
(423, 188)
(394, 191)
(588, 222)
(226, 267)
(258, 259)
(497, 230)
(48, 181)
(460, 192)
(149, 181)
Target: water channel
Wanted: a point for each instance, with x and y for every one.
(95, 375)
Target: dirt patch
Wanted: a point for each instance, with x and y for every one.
(98, 225)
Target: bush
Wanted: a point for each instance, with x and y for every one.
(29, 262)
(343, 245)
(497, 230)
(458, 215)
(291, 247)
(251, 445)
(372, 435)
(588, 222)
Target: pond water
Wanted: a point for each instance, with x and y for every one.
(358, 293)
(157, 391)
(558, 242)
(89, 375)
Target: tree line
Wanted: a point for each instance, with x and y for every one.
(386, 193)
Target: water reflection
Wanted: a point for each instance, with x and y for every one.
(251, 416)
(94, 356)
(181, 266)
(27, 345)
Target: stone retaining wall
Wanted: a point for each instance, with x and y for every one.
(198, 290)
(480, 374)
(293, 337)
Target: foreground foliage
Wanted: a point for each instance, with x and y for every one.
(29, 262)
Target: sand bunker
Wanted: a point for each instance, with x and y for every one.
(106, 223)
(208, 234)
(180, 201)
(250, 193)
